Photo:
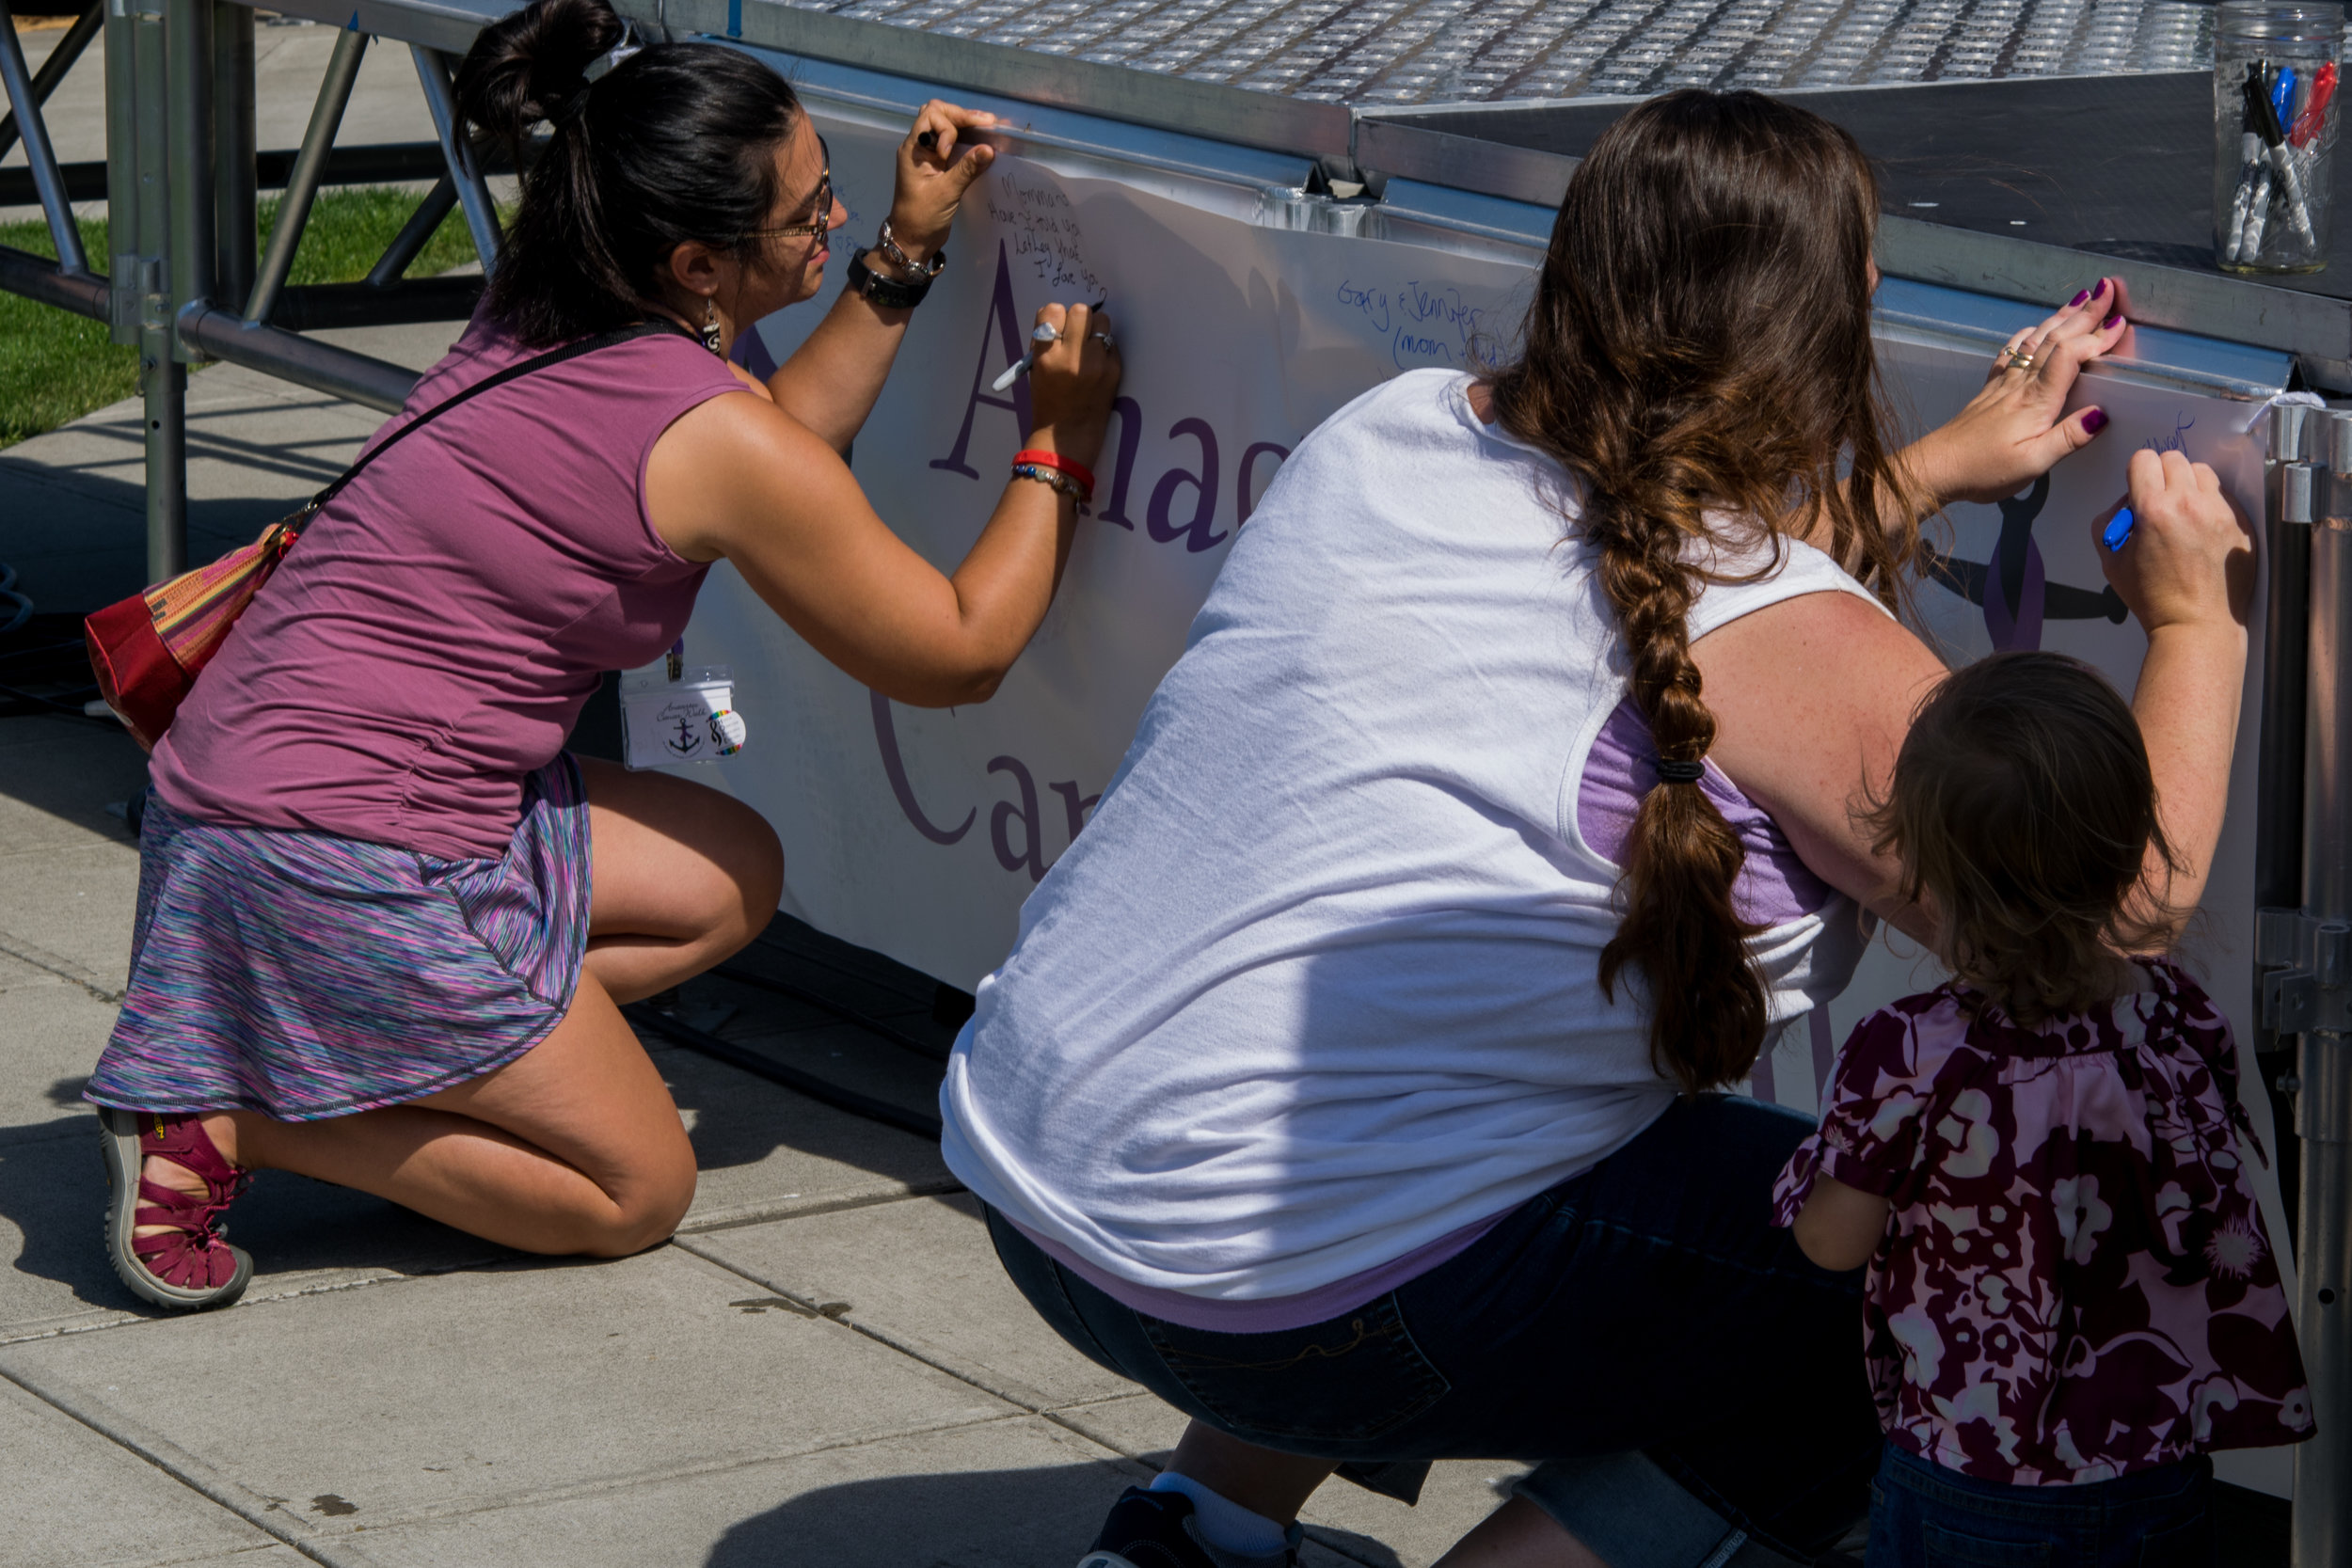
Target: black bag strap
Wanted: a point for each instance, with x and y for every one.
(652, 328)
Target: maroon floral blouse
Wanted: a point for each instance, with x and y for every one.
(2076, 1281)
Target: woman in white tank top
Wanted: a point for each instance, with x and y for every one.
(1347, 1085)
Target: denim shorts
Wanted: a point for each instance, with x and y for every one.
(1690, 1385)
(1925, 1517)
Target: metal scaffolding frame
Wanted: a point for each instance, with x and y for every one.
(182, 179)
(184, 285)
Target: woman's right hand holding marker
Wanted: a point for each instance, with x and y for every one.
(2189, 559)
(2186, 572)
(1073, 381)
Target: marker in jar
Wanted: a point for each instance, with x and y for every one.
(2313, 119)
(2263, 120)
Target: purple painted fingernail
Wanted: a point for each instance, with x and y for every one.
(2101, 291)
(2111, 323)
(2078, 299)
(2095, 421)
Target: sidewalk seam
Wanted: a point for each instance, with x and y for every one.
(768, 1210)
(64, 968)
(188, 1471)
(1025, 1401)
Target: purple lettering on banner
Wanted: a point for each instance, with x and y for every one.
(894, 765)
(1077, 807)
(1123, 471)
(1000, 821)
(1242, 503)
(1196, 532)
(1005, 322)
(2014, 578)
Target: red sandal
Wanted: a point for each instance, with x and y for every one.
(189, 1266)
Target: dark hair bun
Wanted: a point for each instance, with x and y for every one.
(524, 67)
(677, 144)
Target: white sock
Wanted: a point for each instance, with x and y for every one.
(1223, 1525)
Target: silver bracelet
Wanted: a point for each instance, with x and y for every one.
(899, 259)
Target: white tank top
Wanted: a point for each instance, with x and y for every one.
(1317, 986)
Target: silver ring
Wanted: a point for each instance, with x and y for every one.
(1045, 332)
(1102, 337)
(2014, 357)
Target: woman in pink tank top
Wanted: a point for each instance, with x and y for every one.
(369, 947)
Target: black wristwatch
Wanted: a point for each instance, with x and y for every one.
(890, 294)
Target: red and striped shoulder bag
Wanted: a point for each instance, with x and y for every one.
(146, 650)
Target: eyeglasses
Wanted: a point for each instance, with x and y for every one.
(823, 225)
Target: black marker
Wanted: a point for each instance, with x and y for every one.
(927, 139)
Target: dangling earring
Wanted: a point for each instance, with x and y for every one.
(710, 325)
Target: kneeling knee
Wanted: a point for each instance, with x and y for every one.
(643, 1219)
(760, 875)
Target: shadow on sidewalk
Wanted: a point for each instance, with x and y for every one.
(968, 1519)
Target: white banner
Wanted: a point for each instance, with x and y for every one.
(920, 832)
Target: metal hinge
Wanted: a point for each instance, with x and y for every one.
(2307, 971)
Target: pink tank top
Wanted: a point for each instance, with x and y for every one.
(432, 639)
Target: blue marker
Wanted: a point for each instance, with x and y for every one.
(2283, 95)
(2117, 531)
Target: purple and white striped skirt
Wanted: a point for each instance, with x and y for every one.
(305, 976)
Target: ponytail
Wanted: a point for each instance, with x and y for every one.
(675, 143)
(1698, 357)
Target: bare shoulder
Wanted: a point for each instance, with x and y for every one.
(1815, 657)
(1812, 697)
(732, 459)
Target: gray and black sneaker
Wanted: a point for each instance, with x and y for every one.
(1155, 1529)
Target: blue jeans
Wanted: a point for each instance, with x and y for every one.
(1691, 1386)
(1925, 1517)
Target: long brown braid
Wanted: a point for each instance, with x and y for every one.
(1698, 357)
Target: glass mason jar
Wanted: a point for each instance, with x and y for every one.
(2275, 107)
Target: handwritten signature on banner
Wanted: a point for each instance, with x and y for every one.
(1423, 324)
(1041, 232)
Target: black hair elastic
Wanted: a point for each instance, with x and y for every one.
(1680, 772)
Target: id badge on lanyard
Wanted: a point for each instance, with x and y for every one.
(671, 714)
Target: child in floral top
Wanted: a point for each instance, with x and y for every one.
(2072, 1300)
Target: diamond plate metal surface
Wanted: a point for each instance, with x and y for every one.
(1377, 52)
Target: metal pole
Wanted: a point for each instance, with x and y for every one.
(37, 278)
(414, 234)
(302, 184)
(61, 59)
(188, 57)
(2295, 433)
(291, 356)
(234, 146)
(123, 195)
(2322, 1465)
(47, 181)
(162, 379)
(473, 192)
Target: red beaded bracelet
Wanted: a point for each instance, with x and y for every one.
(1079, 471)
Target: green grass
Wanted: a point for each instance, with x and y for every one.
(55, 366)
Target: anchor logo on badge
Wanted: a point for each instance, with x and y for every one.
(686, 742)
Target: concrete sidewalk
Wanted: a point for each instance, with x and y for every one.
(826, 1368)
